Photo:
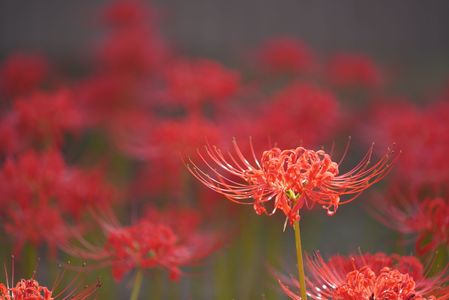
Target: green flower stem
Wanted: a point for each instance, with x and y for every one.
(302, 276)
(136, 285)
(299, 258)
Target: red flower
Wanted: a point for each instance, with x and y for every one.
(311, 115)
(22, 74)
(107, 96)
(30, 289)
(147, 244)
(42, 199)
(124, 14)
(134, 45)
(133, 51)
(368, 277)
(422, 133)
(284, 55)
(348, 71)
(427, 220)
(160, 146)
(40, 119)
(290, 178)
(197, 81)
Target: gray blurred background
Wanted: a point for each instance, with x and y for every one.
(405, 32)
(411, 37)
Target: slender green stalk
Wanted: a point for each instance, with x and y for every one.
(32, 260)
(300, 261)
(136, 285)
(302, 276)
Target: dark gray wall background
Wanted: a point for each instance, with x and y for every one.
(409, 33)
(412, 28)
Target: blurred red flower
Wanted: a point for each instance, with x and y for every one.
(284, 56)
(132, 52)
(134, 45)
(22, 74)
(194, 82)
(31, 289)
(128, 13)
(421, 133)
(160, 146)
(427, 219)
(40, 119)
(301, 112)
(354, 71)
(370, 276)
(42, 198)
(149, 243)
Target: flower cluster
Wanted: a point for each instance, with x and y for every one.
(41, 119)
(370, 277)
(31, 289)
(421, 133)
(40, 194)
(22, 74)
(101, 138)
(165, 240)
(284, 56)
(427, 220)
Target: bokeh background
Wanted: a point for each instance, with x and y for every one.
(408, 39)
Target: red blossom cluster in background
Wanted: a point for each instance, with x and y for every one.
(77, 155)
(370, 276)
(165, 239)
(31, 289)
(43, 199)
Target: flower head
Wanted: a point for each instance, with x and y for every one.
(349, 70)
(21, 74)
(311, 116)
(427, 219)
(31, 289)
(291, 178)
(148, 243)
(370, 277)
(158, 145)
(285, 55)
(422, 132)
(193, 82)
(43, 199)
(41, 119)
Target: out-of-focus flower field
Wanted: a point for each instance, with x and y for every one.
(153, 173)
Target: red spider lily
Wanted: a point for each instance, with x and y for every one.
(41, 197)
(284, 55)
(146, 244)
(186, 221)
(347, 71)
(167, 138)
(423, 133)
(40, 119)
(134, 46)
(427, 220)
(21, 74)
(194, 82)
(30, 289)
(133, 51)
(124, 14)
(290, 178)
(311, 114)
(107, 95)
(371, 277)
(159, 145)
